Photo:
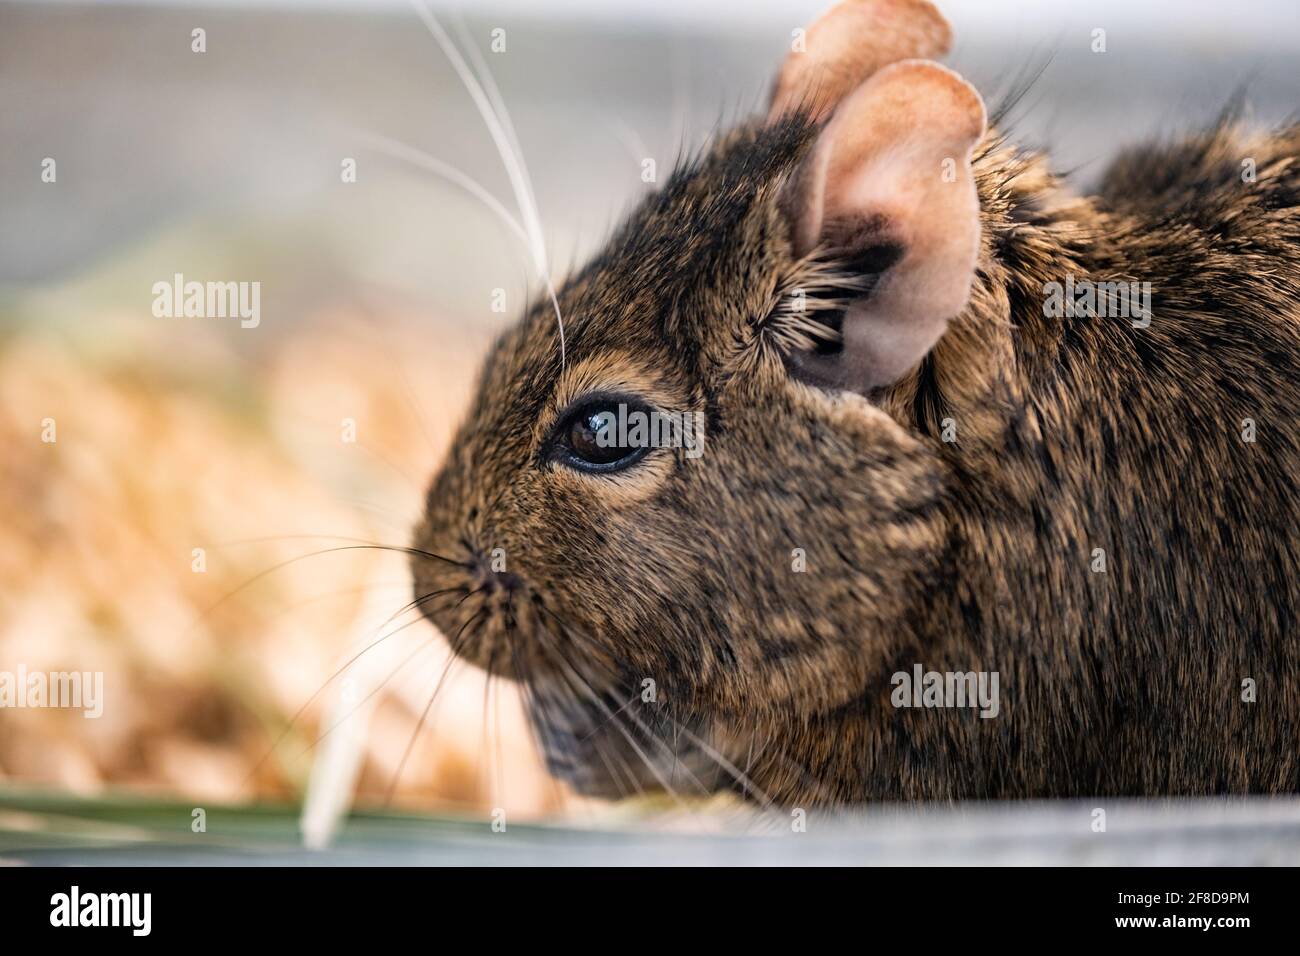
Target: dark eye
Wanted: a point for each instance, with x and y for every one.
(601, 436)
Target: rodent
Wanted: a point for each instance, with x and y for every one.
(851, 290)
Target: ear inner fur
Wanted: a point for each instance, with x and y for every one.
(892, 169)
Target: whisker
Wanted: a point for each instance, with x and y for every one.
(484, 74)
(601, 725)
(320, 690)
(420, 602)
(397, 776)
(495, 127)
(580, 683)
(804, 774)
(497, 124)
(382, 684)
(430, 163)
(420, 648)
(627, 137)
(704, 748)
(536, 712)
(749, 765)
(478, 590)
(211, 608)
(338, 592)
(729, 767)
(614, 775)
(362, 544)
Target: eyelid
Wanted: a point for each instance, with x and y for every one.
(601, 398)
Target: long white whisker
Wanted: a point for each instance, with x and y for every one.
(502, 139)
(580, 683)
(628, 136)
(489, 83)
(731, 769)
(495, 128)
(418, 157)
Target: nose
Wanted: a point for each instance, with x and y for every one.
(493, 577)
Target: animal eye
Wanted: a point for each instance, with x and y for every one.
(596, 437)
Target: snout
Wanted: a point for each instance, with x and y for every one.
(472, 598)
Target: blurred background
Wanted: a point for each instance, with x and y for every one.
(194, 532)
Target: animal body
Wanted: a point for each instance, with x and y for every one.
(957, 420)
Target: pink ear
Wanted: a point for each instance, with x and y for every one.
(849, 43)
(891, 170)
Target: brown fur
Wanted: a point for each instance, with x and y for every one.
(1072, 434)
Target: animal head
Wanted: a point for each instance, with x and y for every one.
(694, 503)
